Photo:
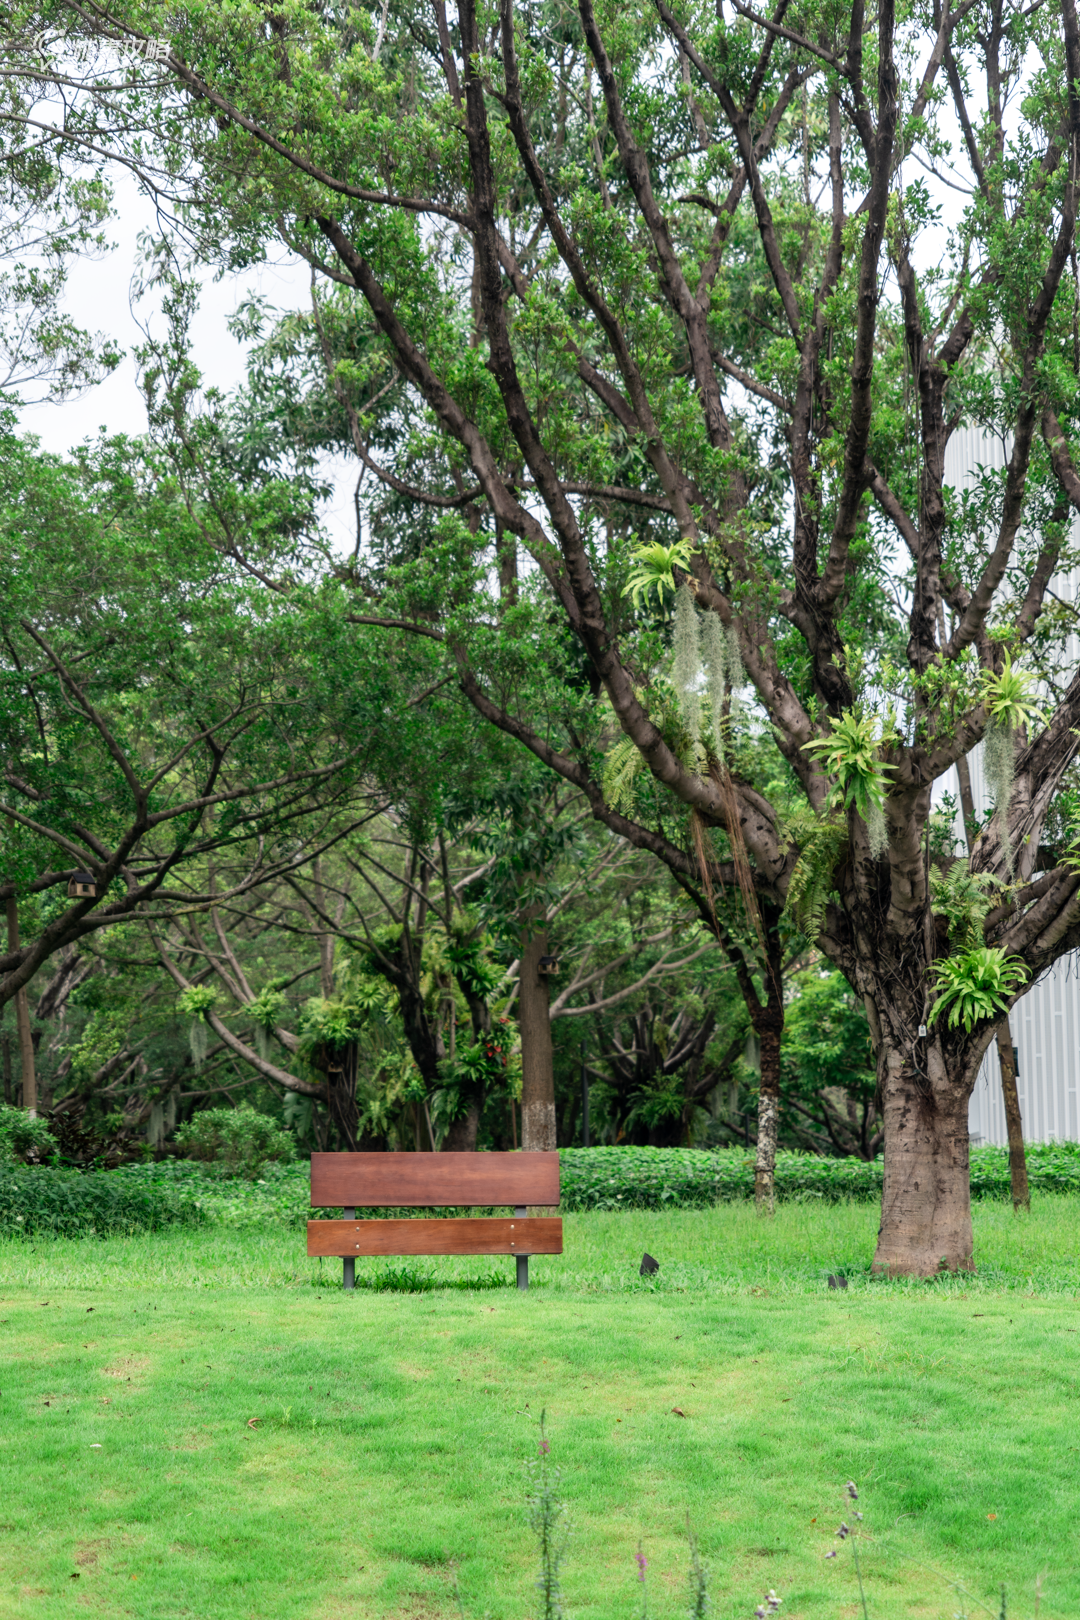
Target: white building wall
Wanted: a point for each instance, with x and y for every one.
(1045, 1023)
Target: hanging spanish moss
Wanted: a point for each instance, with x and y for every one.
(724, 669)
(999, 762)
(877, 834)
(199, 1036)
(686, 665)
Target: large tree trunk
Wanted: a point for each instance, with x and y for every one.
(1018, 1176)
(537, 1063)
(926, 1200)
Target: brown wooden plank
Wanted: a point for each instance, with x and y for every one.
(537, 1234)
(433, 1180)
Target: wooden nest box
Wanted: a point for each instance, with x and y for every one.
(548, 964)
(82, 886)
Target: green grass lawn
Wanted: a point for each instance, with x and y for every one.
(202, 1424)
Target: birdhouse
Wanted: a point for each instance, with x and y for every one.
(548, 964)
(81, 886)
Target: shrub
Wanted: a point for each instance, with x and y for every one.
(690, 1178)
(239, 1140)
(24, 1138)
(66, 1203)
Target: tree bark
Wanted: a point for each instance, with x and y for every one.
(22, 1019)
(1018, 1176)
(461, 1137)
(537, 1064)
(768, 1122)
(926, 1200)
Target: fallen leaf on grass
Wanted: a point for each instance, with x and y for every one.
(991, 1515)
(678, 1411)
(253, 1423)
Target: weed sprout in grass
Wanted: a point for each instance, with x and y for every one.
(699, 1579)
(642, 1565)
(852, 1493)
(549, 1522)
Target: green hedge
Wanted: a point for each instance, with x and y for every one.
(64, 1203)
(146, 1197)
(688, 1178)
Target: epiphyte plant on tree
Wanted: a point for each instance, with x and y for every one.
(1009, 700)
(850, 753)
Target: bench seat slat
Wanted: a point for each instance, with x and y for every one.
(433, 1180)
(538, 1234)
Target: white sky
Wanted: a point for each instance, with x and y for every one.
(98, 298)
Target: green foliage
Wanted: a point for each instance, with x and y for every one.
(943, 829)
(473, 968)
(330, 1024)
(623, 764)
(1009, 697)
(196, 1000)
(46, 1202)
(850, 755)
(965, 899)
(239, 1141)
(267, 1008)
(819, 841)
(654, 571)
(826, 1037)
(24, 1138)
(976, 984)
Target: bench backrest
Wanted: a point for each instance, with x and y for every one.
(433, 1180)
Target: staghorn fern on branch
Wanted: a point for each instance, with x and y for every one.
(976, 984)
(850, 754)
(654, 570)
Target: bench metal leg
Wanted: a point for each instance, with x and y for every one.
(522, 1259)
(348, 1263)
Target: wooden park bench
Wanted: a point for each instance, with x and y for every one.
(355, 1181)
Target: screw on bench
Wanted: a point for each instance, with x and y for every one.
(520, 1212)
(349, 1279)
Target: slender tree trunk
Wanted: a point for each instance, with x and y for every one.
(926, 1199)
(537, 1063)
(22, 1019)
(768, 1123)
(1018, 1176)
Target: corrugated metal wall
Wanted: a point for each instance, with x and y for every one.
(1046, 1021)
